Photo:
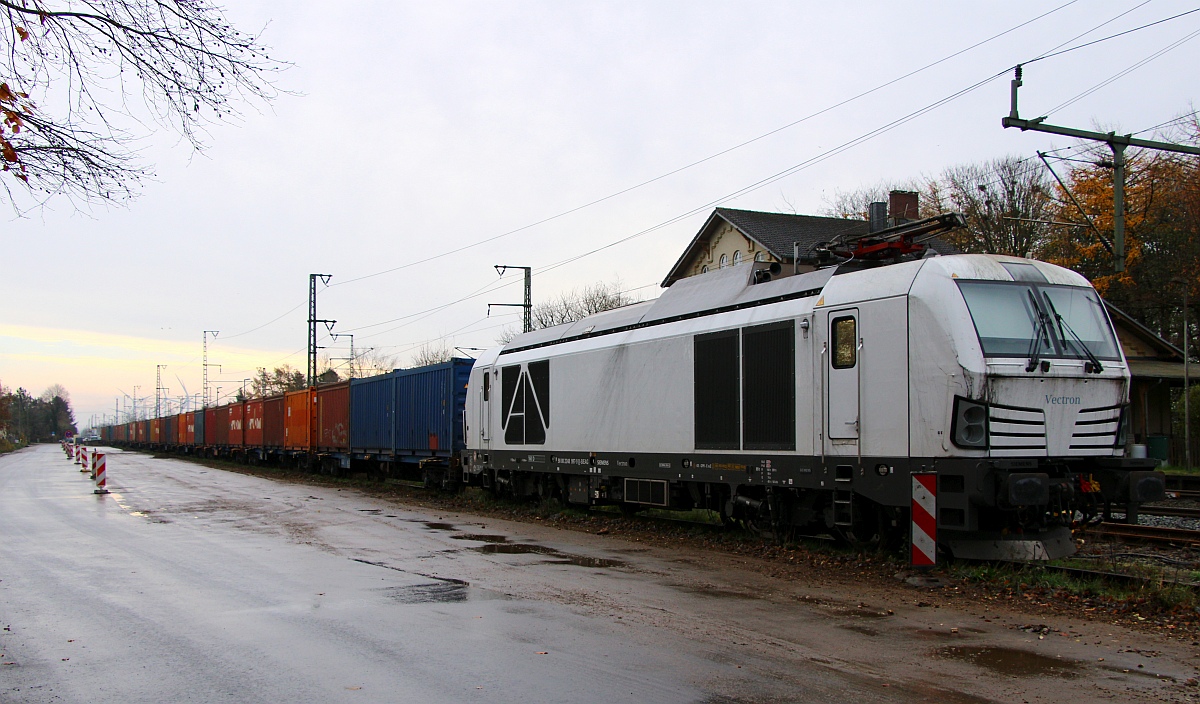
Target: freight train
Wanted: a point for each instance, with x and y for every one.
(405, 422)
(786, 401)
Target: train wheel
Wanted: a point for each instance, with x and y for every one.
(867, 532)
(630, 510)
(728, 522)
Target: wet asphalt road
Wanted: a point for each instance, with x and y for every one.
(189, 584)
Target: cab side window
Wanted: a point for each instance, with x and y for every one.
(844, 342)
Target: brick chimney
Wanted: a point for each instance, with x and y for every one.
(902, 206)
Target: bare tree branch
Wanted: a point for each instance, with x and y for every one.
(69, 67)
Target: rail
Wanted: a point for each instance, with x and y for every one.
(1147, 534)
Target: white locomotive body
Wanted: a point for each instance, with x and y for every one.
(808, 401)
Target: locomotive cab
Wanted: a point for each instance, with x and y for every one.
(1032, 412)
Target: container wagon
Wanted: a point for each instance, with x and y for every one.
(333, 426)
(410, 421)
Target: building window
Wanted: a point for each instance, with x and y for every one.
(704, 269)
(737, 257)
(724, 260)
(760, 256)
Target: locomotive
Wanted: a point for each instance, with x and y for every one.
(785, 401)
(807, 401)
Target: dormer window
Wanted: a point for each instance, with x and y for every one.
(737, 257)
(760, 256)
(724, 260)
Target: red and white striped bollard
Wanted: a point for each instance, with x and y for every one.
(98, 463)
(924, 519)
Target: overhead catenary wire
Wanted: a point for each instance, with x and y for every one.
(753, 140)
(718, 154)
(449, 335)
(1052, 53)
(754, 186)
(1124, 72)
(796, 168)
(735, 194)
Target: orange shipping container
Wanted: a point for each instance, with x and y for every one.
(181, 426)
(273, 413)
(156, 430)
(252, 423)
(236, 424)
(333, 417)
(298, 420)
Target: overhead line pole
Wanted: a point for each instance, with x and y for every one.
(1187, 405)
(312, 324)
(158, 389)
(527, 322)
(1116, 142)
(214, 333)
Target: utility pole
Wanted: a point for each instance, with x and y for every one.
(312, 324)
(527, 325)
(1116, 142)
(158, 389)
(1187, 406)
(214, 333)
(135, 390)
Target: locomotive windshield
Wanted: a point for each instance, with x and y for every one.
(1022, 319)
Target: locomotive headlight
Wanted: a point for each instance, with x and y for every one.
(969, 427)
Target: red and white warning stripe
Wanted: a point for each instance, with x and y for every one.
(924, 521)
(84, 459)
(98, 463)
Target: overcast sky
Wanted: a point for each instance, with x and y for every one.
(412, 129)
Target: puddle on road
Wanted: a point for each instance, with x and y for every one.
(717, 592)
(863, 630)
(1138, 673)
(432, 593)
(560, 558)
(372, 511)
(861, 612)
(582, 561)
(440, 526)
(481, 537)
(935, 633)
(1012, 662)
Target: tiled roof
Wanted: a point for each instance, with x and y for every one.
(778, 231)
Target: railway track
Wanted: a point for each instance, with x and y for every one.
(1177, 537)
(1187, 483)
(1110, 576)
(1183, 494)
(1172, 511)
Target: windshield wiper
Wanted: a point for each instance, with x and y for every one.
(1034, 351)
(1064, 325)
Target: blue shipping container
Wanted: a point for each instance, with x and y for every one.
(410, 413)
(198, 438)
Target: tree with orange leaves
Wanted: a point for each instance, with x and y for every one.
(1162, 232)
(69, 67)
